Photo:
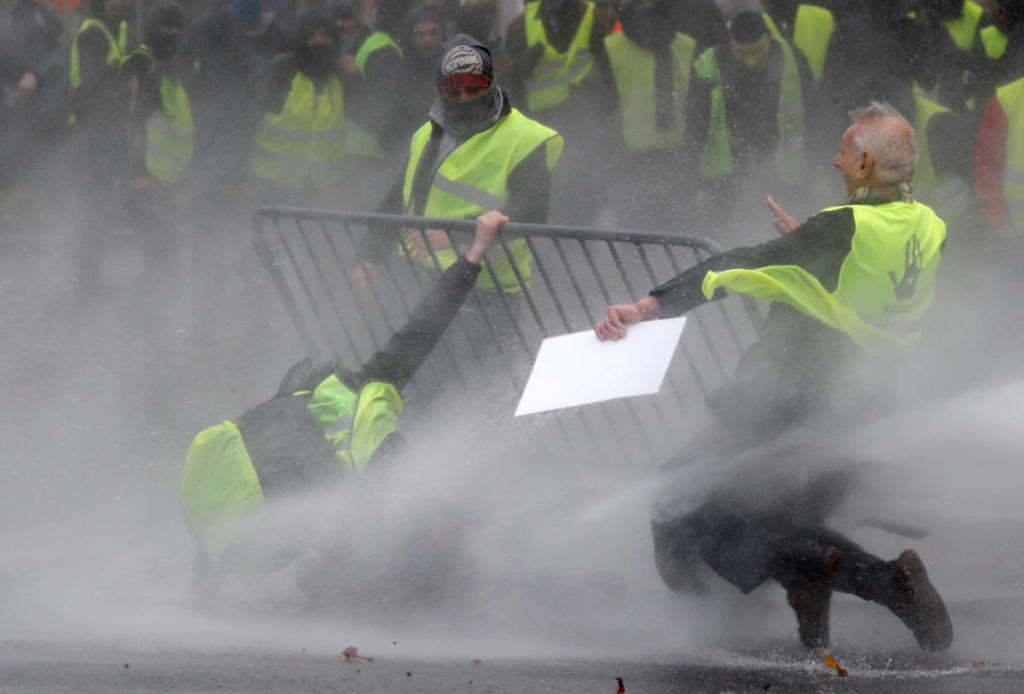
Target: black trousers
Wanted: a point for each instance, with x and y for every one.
(765, 518)
(750, 548)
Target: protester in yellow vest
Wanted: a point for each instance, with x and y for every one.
(100, 43)
(326, 423)
(553, 47)
(163, 135)
(299, 147)
(1003, 41)
(378, 106)
(807, 26)
(953, 30)
(97, 146)
(476, 152)
(848, 288)
(647, 74)
(162, 141)
(752, 110)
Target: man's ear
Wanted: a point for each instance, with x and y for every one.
(866, 164)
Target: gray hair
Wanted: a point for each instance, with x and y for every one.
(893, 148)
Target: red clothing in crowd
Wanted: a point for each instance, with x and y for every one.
(989, 164)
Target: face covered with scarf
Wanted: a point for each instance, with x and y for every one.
(317, 45)
(470, 100)
(164, 24)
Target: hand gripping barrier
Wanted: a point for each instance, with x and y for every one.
(487, 351)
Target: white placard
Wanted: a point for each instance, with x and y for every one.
(578, 369)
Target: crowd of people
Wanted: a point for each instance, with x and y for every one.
(646, 114)
(669, 111)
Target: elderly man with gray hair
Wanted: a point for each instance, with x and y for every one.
(848, 288)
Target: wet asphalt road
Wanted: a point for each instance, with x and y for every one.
(137, 355)
(34, 667)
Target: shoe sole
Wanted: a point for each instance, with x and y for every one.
(935, 632)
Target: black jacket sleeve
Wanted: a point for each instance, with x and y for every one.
(407, 349)
(529, 189)
(381, 98)
(819, 246)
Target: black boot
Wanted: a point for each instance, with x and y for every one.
(810, 598)
(916, 602)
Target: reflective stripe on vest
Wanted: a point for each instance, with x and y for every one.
(549, 82)
(633, 68)
(885, 283)
(474, 179)
(170, 134)
(305, 142)
(355, 425)
(717, 160)
(219, 488)
(812, 31)
(115, 51)
(373, 43)
(1011, 98)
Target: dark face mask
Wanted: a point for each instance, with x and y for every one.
(466, 118)
(164, 45)
(317, 61)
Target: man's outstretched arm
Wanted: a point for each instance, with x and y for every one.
(819, 246)
(408, 348)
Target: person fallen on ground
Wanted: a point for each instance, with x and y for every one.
(848, 288)
(325, 423)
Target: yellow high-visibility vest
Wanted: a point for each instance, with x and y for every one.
(1011, 98)
(886, 281)
(305, 142)
(473, 179)
(633, 68)
(555, 73)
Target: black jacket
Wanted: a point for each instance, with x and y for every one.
(286, 445)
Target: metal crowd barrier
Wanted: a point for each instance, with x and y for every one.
(488, 350)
